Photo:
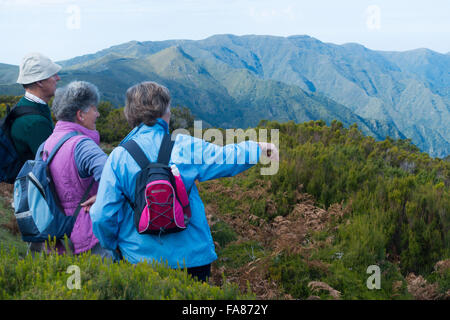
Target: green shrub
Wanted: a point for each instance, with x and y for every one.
(7, 227)
(294, 275)
(236, 255)
(400, 195)
(7, 100)
(223, 233)
(46, 277)
(296, 272)
(442, 278)
(112, 124)
(397, 201)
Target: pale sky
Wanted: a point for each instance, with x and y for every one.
(63, 29)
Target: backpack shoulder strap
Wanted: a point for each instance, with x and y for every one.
(14, 113)
(18, 112)
(60, 143)
(136, 152)
(139, 156)
(165, 150)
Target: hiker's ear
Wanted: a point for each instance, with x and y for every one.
(80, 116)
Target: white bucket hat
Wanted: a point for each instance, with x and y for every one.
(36, 67)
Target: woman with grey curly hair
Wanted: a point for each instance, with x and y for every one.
(77, 166)
(75, 99)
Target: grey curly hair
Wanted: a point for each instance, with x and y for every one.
(77, 95)
(145, 102)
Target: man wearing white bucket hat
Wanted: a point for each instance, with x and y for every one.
(38, 75)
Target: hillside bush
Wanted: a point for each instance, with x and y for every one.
(223, 233)
(297, 273)
(397, 201)
(111, 124)
(402, 209)
(46, 276)
(7, 100)
(236, 255)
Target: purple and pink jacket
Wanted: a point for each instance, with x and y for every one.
(70, 187)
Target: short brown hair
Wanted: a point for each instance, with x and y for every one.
(145, 102)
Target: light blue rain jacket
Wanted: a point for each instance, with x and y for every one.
(196, 159)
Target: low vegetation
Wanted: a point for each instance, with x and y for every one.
(339, 203)
(51, 276)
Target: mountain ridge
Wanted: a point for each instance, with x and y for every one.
(398, 91)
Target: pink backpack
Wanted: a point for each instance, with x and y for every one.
(161, 202)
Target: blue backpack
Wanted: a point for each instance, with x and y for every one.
(38, 211)
(11, 162)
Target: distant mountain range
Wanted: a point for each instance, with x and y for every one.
(236, 81)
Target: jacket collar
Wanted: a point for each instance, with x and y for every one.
(163, 124)
(160, 125)
(31, 97)
(63, 126)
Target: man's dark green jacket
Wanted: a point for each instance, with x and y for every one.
(28, 132)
